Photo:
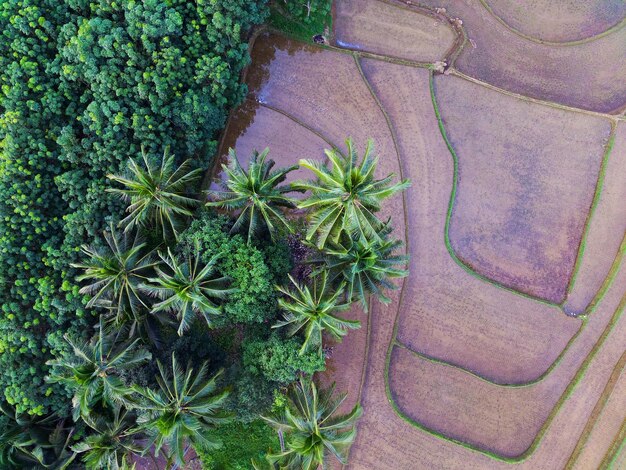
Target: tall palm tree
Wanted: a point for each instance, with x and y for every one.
(345, 197)
(115, 273)
(113, 439)
(158, 194)
(311, 431)
(186, 405)
(255, 194)
(30, 441)
(366, 266)
(312, 311)
(93, 371)
(186, 288)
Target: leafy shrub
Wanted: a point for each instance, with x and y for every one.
(255, 299)
(279, 360)
(241, 442)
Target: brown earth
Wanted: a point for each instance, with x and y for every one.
(588, 76)
(359, 24)
(520, 207)
(451, 314)
(604, 425)
(603, 240)
(423, 413)
(559, 20)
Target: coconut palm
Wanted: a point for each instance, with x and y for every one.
(312, 311)
(366, 266)
(345, 197)
(31, 441)
(255, 195)
(186, 288)
(311, 432)
(158, 194)
(93, 370)
(113, 440)
(186, 406)
(114, 274)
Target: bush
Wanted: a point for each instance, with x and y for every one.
(241, 442)
(255, 299)
(279, 360)
(85, 84)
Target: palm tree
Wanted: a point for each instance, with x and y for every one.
(157, 194)
(366, 266)
(183, 409)
(186, 288)
(93, 371)
(312, 434)
(255, 194)
(345, 197)
(113, 440)
(313, 311)
(30, 441)
(115, 273)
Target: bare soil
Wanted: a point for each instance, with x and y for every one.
(527, 175)
(588, 76)
(382, 28)
(450, 403)
(559, 20)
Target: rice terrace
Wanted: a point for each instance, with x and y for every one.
(313, 234)
(505, 345)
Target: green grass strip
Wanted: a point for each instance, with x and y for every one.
(592, 210)
(617, 448)
(597, 412)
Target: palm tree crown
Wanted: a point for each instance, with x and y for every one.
(114, 439)
(255, 194)
(313, 311)
(345, 197)
(186, 405)
(157, 194)
(367, 266)
(115, 273)
(312, 433)
(186, 288)
(93, 371)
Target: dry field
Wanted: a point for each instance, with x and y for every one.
(505, 347)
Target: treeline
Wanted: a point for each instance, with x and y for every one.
(84, 85)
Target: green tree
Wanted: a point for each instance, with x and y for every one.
(184, 409)
(255, 195)
(115, 273)
(92, 371)
(186, 288)
(312, 432)
(312, 311)
(28, 441)
(346, 196)
(112, 440)
(366, 266)
(158, 194)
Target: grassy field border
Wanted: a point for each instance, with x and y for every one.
(564, 396)
(592, 211)
(597, 412)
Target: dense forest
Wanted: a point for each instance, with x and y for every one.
(142, 314)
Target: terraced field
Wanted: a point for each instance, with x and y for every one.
(505, 347)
